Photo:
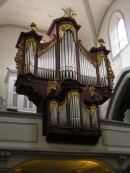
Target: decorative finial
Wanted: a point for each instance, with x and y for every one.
(69, 12)
(101, 42)
(32, 26)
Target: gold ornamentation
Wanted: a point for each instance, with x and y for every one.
(41, 51)
(51, 86)
(72, 94)
(93, 93)
(87, 108)
(93, 109)
(100, 56)
(62, 104)
(101, 42)
(53, 104)
(28, 43)
(110, 72)
(93, 62)
(32, 26)
(69, 12)
(64, 28)
(18, 59)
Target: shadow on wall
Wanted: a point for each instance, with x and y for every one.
(120, 102)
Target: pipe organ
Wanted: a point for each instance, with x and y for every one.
(64, 80)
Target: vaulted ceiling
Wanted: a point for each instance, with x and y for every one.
(90, 13)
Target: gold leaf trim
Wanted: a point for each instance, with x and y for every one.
(64, 28)
(110, 72)
(62, 104)
(72, 94)
(41, 51)
(93, 109)
(18, 59)
(87, 108)
(53, 104)
(28, 43)
(88, 57)
(51, 86)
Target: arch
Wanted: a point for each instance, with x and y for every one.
(116, 44)
(62, 165)
(117, 105)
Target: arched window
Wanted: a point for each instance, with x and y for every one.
(117, 33)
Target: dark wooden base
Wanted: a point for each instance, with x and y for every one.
(73, 136)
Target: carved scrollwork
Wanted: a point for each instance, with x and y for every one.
(18, 59)
(64, 28)
(54, 104)
(92, 61)
(72, 94)
(28, 43)
(41, 51)
(110, 72)
(52, 86)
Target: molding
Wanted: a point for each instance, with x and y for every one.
(106, 143)
(114, 123)
(24, 115)
(60, 153)
(20, 124)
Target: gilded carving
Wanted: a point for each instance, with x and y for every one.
(52, 86)
(110, 72)
(93, 62)
(41, 51)
(64, 28)
(87, 108)
(100, 56)
(93, 93)
(72, 94)
(69, 12)
(62, 104)
(18, 59)
(93, 109)
(28, 43)
(53, 104)
(90, 109)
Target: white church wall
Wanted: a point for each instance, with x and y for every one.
(121, 60)
(9, 36)
(23, 131)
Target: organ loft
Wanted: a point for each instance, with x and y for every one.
(64, 80)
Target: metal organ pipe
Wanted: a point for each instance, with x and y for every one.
(103, 73)
(87, 70)
(29, 59)
(47, 64)
(68, 66)
(86, 118)
(74, 112)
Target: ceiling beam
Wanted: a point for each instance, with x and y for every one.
(90, 19)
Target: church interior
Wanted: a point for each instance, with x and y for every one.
(64, 93)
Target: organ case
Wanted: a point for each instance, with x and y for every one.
(65, 81)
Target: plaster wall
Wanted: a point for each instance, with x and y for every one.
(9, 36)
(121, 60)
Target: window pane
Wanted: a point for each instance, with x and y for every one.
(122, 37)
